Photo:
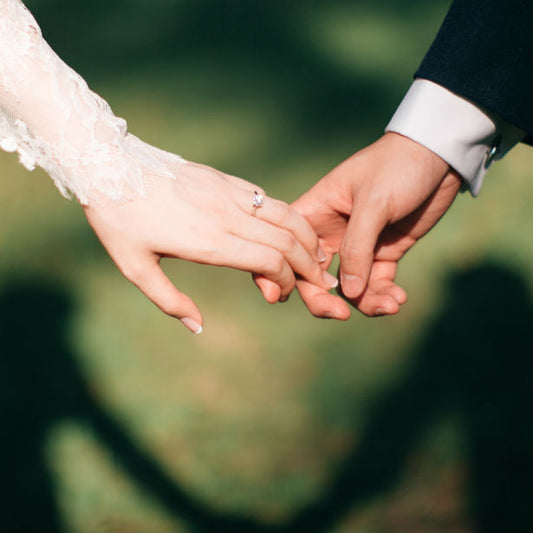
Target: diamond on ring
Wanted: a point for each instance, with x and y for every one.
(257, 201)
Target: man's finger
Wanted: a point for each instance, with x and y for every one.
(381, 296)
(357, 249)
(257, 258)
(282, 215)
(321, 303)
(287, 244)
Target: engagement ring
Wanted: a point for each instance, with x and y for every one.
(257, 201)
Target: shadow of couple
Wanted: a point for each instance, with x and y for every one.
(474, 359)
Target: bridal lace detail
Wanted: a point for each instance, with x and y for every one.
(53, 120)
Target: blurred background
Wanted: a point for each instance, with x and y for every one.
(116, 419)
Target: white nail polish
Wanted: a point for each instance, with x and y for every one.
(331, 280)
(321, 255)
(191, 324)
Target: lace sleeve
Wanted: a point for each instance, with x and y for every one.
(53, 120)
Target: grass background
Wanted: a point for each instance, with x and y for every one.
(115, 419)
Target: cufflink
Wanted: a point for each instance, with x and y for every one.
(491, 152)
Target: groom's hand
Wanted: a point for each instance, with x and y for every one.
(370, 210)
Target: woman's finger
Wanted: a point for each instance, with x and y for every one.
(148, 276)
(280, 214)
(254, 257)
(270, 290)
(286, 243)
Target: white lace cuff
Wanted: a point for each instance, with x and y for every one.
(53, 120)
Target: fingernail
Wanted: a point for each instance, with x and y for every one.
(351, 285)
(283, 299)
(380, 311)
(331, 280)
(321, 255)
(191, 324)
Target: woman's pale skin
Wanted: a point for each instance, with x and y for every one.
(206, 216)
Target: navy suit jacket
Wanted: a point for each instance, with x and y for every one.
(484, 53)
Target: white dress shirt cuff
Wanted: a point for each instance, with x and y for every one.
(468, 138)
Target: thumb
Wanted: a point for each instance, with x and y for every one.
(153, 282)
(357, 249)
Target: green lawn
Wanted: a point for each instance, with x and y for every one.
(116, 419)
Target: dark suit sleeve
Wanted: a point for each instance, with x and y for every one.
(484, 53)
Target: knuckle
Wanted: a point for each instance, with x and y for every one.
(287, 242)
(348, 250)
(287, 289)
(284, 212)
(169, 308)
(374, 202)
(276, 264)
(133, 272)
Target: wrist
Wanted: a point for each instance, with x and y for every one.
(427, 161)
(468, 137)
(121, 171)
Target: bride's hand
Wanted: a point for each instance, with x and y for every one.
(205, 216)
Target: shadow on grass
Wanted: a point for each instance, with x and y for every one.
(475, 359)
(42, 384)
